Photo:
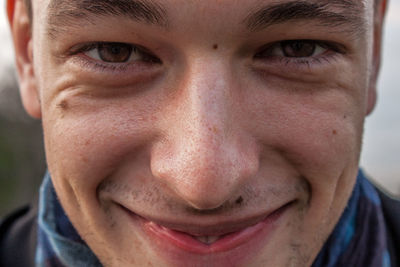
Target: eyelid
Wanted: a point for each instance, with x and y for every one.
(283, 64)
(334, 47)
(81, 48)
(277, 50)
(147, 55)
(139, 69)
(133, 53)
(300, 67)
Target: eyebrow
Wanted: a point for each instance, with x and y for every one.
(64, 13)
(331, 13)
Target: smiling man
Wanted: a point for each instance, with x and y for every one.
(201, 133)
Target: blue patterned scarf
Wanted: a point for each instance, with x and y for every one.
(59, 244)
(358, 240)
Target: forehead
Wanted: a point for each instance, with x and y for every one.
(159, 11)
(352, 16)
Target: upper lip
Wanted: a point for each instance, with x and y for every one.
(222, 226)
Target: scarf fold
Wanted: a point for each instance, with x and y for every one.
(59, 244)
(358, 240)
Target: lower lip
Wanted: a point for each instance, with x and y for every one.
(242, 242)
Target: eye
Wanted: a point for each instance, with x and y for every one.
(300, 48)
(112, 52)
(117, 53)
(294, 49)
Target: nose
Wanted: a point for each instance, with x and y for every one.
(206, 155)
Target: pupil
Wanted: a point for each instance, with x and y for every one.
(115, 50)
(297, 46)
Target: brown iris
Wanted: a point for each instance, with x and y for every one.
(115, 52)
(298, 48)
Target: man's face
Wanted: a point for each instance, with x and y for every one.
(202, 133)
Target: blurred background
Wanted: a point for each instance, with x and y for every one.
(22, 163)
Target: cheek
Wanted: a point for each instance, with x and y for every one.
(88, 140)
(317, 134)
(313, 129)
(319, 143)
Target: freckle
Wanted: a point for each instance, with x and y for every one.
(63, 105)
(334, 132)
(215, 46)
(84, 159)
(344, 116)
(239, 200)
(215, 130)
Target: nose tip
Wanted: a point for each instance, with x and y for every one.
(205, 176)
(206, 153)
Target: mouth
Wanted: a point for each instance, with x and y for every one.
(209, 239)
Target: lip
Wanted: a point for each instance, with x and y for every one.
(233, 234)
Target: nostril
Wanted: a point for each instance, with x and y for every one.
(203, 171)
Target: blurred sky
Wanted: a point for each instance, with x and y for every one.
(380, 156)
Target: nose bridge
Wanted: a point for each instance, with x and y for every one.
(206, 161)
(208, 95)
(204, 109)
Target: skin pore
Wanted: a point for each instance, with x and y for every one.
(202, 120)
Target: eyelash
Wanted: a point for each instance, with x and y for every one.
(332, 51)
(308, 63)
(97, 65)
